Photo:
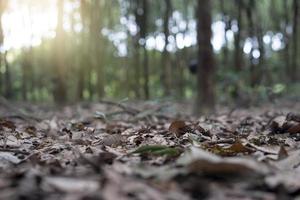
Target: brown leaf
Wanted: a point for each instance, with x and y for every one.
(112, 140)
(293, 117)
(282, 153)
(238, 147)
(7, 124)
(200, 161)
(179, 128)
(293, 129)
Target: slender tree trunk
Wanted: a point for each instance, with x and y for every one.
(238, 49)
(251, 30)
(262, 70)
(137, 71)
(287, 40)
(1, 76)
(206, 66)
(26, 73)
(83, 57)
(166, 67)
(227, 22)
(295, 55)
(8, 93)
(97, 42)
(144, 24)
(2, 9)
(60, 93)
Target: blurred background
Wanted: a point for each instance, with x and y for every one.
(77, 50)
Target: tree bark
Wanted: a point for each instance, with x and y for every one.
(166, 67)
(2, 9)
(206, 65)
(60, 93)
(294, 71)
(251, 31)
(144, 24)
(7, 79)
(227, 21)
(286, 41)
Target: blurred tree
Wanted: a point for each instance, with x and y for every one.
(251, 31)
(3, 5)
(60, 92)
(115, 48)
(227, 21)
(238, 45)
(286, 39)
(206, 65)
(295, 68)
(8, 93)
(166, 65)
(27, 73)
(141, 18)
(96, 42)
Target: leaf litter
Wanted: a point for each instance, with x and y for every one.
(111, 150)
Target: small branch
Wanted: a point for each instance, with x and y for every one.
(230, 141)
(130, 110)
(13, 151)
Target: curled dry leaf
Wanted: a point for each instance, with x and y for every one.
(293, 117)
(289, 124)
(293, 129)
(7, 124)
(179, 128)
(236, 148)
(200, 161)
(282, 153)
(112, 140)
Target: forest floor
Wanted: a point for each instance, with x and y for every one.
(148, 150)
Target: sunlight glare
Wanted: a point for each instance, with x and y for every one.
(25, 24)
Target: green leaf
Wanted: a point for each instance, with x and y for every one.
(158, 150)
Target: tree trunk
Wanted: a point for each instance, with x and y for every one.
(227, 22)
(251, 31)
(26, 73)
(144, 24)
(137, 71)
(206, 65)
(166, 67)
(286, 38)
(7, 79)
(97, 44)
(2, 9)
(238, 49)
(294, 71)
(60, 93)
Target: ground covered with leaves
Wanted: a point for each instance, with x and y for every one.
(149, 150)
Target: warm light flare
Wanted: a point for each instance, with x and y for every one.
(25, 23)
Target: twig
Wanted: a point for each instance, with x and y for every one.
(220, 141)
(130, 110)
(14, 151)
(18, 113)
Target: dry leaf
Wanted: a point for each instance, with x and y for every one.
(179, 128)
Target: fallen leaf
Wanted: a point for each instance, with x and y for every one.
(179, 128)
(293, 129)
(158, 150)
(113, 140)
(282, 153)
(200, 161)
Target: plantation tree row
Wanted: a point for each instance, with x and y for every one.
(142, 49)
